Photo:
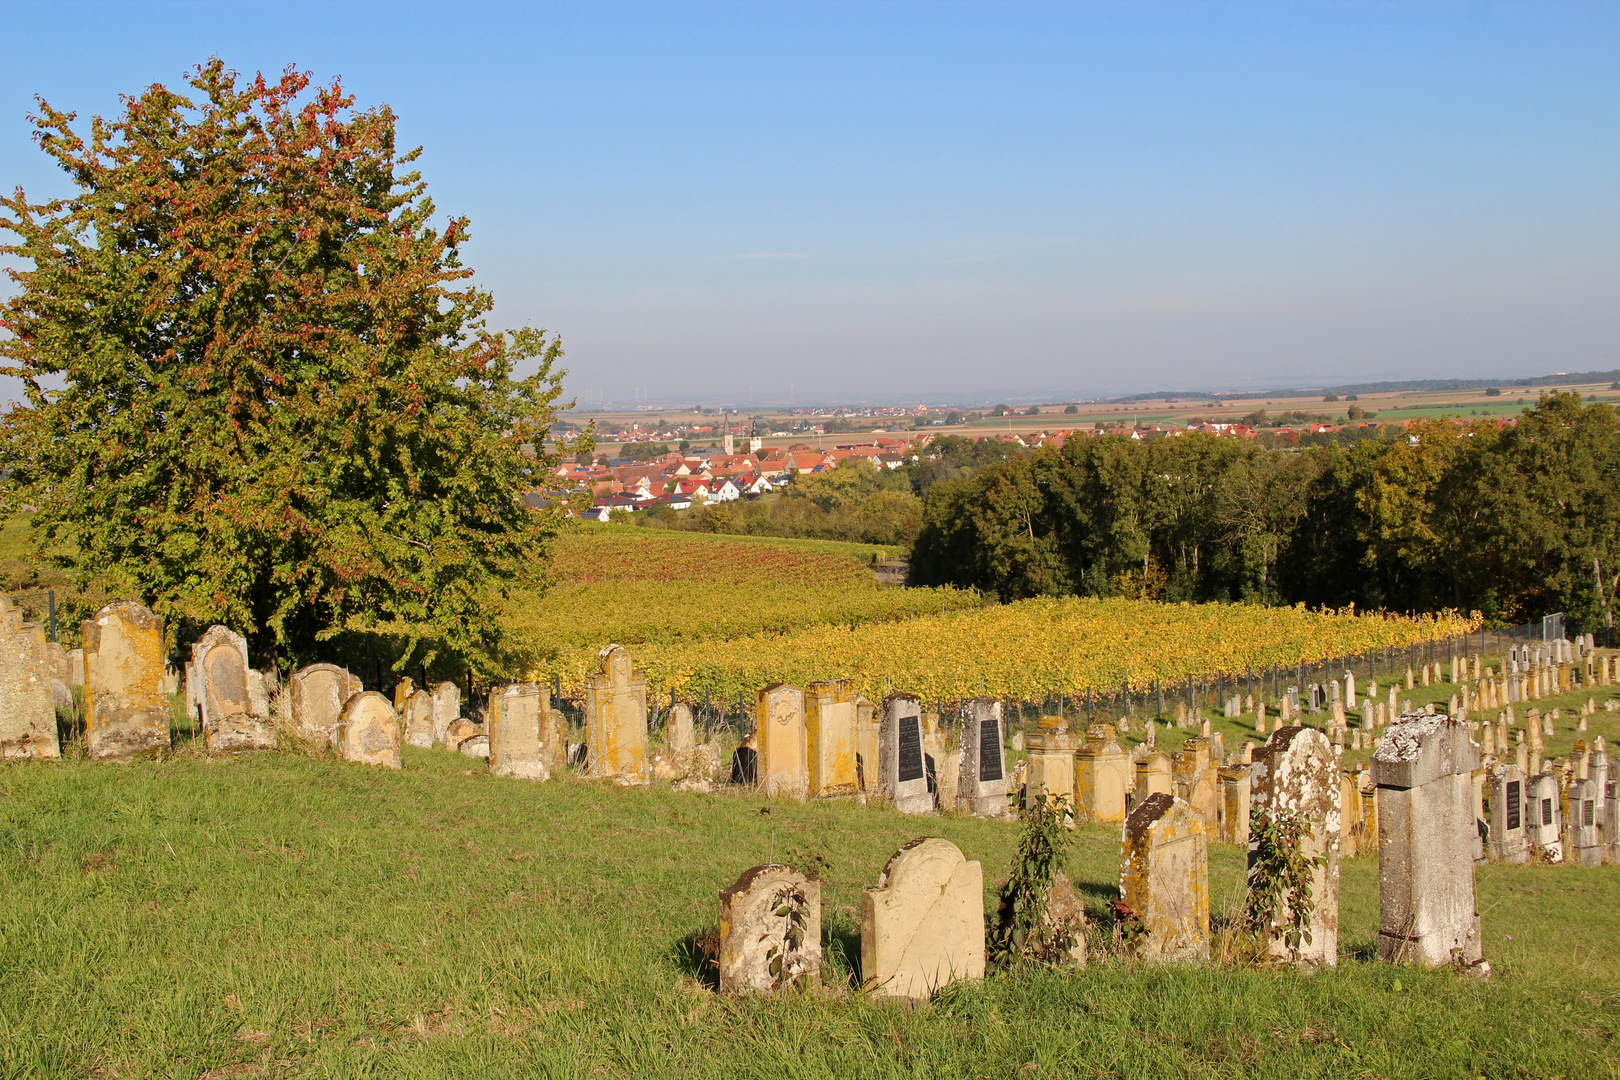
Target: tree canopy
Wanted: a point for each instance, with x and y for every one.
(260, 387)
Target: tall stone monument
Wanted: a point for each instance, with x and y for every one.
(217, 684)
(27, 703)
(616, 718)
(1509, 842)
(1102, 777)
(1296, 776)
(982, 787)
(126, 711)
(516, 737)
(902, 775)
(783, 765)
(829, 710)
(446, 709)
(1049, 759)
(1425, 842)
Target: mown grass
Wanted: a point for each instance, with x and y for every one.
(289, 915)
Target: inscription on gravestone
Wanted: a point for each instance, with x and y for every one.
(910, 762)
(989, 760)
(1513, 804)
(1546, 811)
(1588, 811)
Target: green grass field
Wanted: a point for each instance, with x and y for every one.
(289, 915)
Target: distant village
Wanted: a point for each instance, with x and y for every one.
(739, 466)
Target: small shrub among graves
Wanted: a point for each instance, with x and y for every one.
(1023, 929)
(1280, 877)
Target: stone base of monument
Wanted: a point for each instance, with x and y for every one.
(988, 806)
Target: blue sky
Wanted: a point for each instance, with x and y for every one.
(734, 202)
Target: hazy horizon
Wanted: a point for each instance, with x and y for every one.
(1044, 201)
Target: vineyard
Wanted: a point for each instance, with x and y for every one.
(597, 553)
(1025, 650)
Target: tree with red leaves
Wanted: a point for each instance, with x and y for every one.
(260, 388)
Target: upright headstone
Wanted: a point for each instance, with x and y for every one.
(368, 733)
(783, 764)
(829, 710)
(217, 681)
(1423, 768)
(1236, 800)
(1611, 812)
(866, 743)
(922, 925)
(1164, 878)
(1583, 843)
(1509, 841)
(982, 789)
(1155, 773)
(903, 777)
(126, 712)
(419, 720)
(27, 701)
(1049, 761)
(517, 745)
(682, 739)
(1296, 777)
(1102, 777)
(1544, 818)
(446, 709)
(616, 718)
(402, 693)
(1195, 779)
(318, 693)
(770, 931)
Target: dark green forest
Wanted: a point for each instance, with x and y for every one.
(1514, 522)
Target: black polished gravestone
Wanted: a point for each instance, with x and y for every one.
(910, 761)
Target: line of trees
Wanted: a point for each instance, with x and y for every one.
(1513, 521)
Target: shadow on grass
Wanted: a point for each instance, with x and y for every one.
(841, 954)
(697, 955)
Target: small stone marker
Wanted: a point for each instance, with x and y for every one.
(902, 775)
(516, 739)
(446, 709)
(368, 733)
(1510, 841)
(682, 739)
(829, 710)
(419, 720)
(1102, 777)
(1164, 878)
(616, 718)
(28, 702)
(318, 693)
(783, 766)
(1423, 769)
(982, 788)
(126, 712)
(1297, 776)
(922, 925)
(770, 931)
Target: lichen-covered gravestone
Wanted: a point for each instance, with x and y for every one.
(516, 738)
(1195, 779)
(1423, 769)
(902, 775)
(419, 720)
(1296, 777)
(126, 711)
(1237, 791)
(829, 709)
(922, 925)
(616, 718)
(27, 701)
(982, 785)
(770, 931)
(1049, 760)
(368, 733)
(446, 709)
(1509, 841)
(1102, 777)
(318, 693)
(1164, 879)
(217, 679)
(782, 767)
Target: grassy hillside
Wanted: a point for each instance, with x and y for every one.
(281, 915)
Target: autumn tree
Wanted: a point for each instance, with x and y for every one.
(260, 387)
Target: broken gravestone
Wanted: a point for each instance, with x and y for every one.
(770, 931)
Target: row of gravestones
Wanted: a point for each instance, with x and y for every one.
(1568, 813)
(922, 926)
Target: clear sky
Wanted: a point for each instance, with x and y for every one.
(734, 202)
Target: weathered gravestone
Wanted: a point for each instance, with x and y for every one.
(1049, 761)
(1102, 777)
(866, 743)
(419, 720)
(27, 702)
(1296, 778)
(982, 787)
(1509, 841)
(217, 680)
(1611, 812)
(1583, 843)
(922, 925)
(1195, 779)
(317, 694)
(902, 776)
(1544, 818)
(1164, 879)
(557, 741)
(782, 767)
(1237, 792)
(126, 712)
(446, 709)
(1155, 774)
(616, 718)
(368, 733)
(770, 931)
(829, 709)
(1423, 768)
(516, 736)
